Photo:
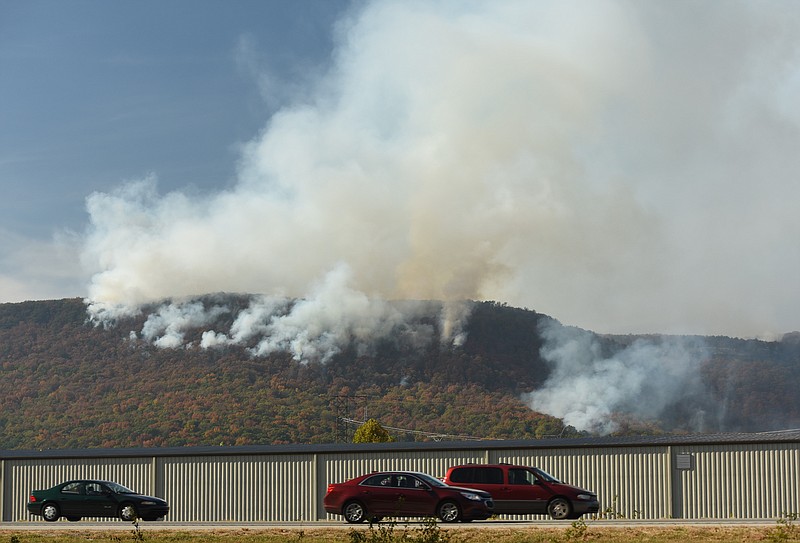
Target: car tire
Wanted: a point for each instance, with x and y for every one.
(127, 512)
(354, 512)
(448, 511)
(51, 512)
(559, 509)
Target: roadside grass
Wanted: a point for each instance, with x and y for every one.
(404, 534)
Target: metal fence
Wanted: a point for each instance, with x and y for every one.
(746, 476)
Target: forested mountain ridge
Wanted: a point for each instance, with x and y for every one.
(65, 383)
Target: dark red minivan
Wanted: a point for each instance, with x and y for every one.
(523, 490)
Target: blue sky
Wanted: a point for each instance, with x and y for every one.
(621, 166)
(94, 93)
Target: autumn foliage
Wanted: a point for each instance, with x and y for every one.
(67, 384)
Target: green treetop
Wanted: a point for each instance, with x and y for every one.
(371, 432)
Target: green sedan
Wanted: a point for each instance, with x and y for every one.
(89, 498)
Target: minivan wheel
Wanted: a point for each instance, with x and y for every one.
(354, 512)
(449, 512)
(51, 512)
(559, 509)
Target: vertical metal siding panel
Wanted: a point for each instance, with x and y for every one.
(785, 488)
(698, 487)
(777, 488)
(4, 515)
(793, 476)
(752, 484)
(718, 475)
(741, 479)
(769, 491)
(761, 479)
(687, 492)
(738, 482)
(732, 477)
(709, 504)
(715, 503)
(763, 464)
(748, 493)
(760, 471)
(729, 478)
(723, 483)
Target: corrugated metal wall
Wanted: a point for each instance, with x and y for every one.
(739, 481)
(649, 482)
(240, 488)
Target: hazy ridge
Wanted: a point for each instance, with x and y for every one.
(66, 383)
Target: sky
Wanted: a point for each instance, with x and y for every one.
(623, 166)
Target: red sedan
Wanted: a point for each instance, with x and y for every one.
(405, 494)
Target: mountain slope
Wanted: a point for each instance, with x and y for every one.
(65, 383)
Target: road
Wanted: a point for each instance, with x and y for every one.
(328, 525)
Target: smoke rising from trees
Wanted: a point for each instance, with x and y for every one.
(625, 167)
(588, 387)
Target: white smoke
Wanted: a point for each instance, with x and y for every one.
(587, 387)
(593, 160)
(167, 326)
(250, 323)
(333, 317)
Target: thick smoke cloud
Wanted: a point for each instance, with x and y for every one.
(331, 318)
(623, 166)
(588, 388)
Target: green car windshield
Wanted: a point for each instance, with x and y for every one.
(119, 489)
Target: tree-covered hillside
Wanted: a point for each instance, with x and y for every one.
(65, 383)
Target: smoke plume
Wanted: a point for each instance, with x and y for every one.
(593, 160)
(333, 317)
(588, 388)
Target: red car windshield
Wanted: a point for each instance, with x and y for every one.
(545, 476)
(432, 481)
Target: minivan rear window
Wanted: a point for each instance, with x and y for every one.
(486, 476)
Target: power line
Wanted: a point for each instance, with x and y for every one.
(343, 404)
(436, 436)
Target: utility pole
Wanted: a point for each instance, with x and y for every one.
(345, 406)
